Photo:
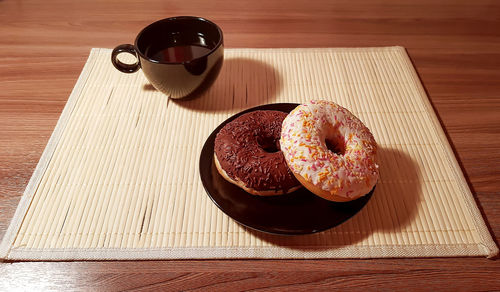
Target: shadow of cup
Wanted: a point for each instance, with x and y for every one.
(242, 83)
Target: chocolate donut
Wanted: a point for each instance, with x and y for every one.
(247, 154)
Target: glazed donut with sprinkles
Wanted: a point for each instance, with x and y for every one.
(330, 151)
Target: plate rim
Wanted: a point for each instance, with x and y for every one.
(206, 144)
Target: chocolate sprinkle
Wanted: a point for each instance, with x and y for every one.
(248, 150)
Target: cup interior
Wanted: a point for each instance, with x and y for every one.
(178, 39)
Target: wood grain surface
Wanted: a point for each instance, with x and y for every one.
(454, 45)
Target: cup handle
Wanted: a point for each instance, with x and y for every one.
(125, 68)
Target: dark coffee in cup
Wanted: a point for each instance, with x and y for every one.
(180, 56)
(180, 53)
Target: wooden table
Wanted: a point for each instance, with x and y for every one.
(455, 47)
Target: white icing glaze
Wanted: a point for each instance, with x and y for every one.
(351, 174)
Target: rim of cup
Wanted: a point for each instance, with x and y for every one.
(219, 42)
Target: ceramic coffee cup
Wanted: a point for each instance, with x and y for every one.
(180, 56)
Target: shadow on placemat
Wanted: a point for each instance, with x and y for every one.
(242, 83)
(392, 207)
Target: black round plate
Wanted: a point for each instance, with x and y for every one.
(299, 212)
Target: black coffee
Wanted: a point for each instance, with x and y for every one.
(179, 54)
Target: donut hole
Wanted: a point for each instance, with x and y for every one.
(269, 144)
(336, 145)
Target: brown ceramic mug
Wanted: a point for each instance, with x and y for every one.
(180, 56)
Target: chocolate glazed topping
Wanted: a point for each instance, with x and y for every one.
(248, 149)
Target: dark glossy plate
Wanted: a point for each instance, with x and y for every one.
(300, 212)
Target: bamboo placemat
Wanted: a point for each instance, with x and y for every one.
(119, 177)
